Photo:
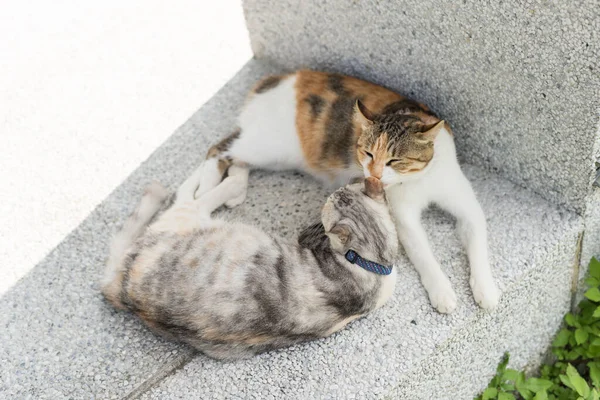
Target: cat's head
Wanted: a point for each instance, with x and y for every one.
(394, 147)
(357, 217)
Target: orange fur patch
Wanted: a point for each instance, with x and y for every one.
(311, 129)
(112, 291)
(340, 325)
(246, 338)
(315, 97)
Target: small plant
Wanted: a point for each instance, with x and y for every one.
(575, 374)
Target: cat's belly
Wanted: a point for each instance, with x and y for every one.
(268, 136)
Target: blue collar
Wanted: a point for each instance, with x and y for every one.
(371, 266)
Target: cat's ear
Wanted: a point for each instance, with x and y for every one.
(339, 237)
(362, 114)
(374, 189)
(430, 132)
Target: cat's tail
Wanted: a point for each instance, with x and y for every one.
(151, 202)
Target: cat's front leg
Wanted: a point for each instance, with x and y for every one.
(471, 227)
(415, 242)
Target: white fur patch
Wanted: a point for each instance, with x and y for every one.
(268, 136)
(387, 288)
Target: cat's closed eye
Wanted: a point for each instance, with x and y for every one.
(390, 162)
(369, 154)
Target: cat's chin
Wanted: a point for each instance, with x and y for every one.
(403, 178)
(397, 180)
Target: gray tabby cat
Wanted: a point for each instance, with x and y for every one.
(232, 290)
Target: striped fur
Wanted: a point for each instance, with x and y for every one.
(232, 290)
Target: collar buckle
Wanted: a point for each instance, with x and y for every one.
(351, 256)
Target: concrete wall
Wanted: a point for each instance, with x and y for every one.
(518, 81)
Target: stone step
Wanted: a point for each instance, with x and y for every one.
(59, 339)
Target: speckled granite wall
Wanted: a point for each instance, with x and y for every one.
(518, 81)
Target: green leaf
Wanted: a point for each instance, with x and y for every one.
(577, 382)
(593, 351)
(507, 387)
(594, 269)
(581, 335)
(593, 395)
(588, 328)
(572, 355)
(510, 375)
(537, 384)
(545, 370)
(559, 352)
(593, 294)
(541, 395)
(592, 282)
(505, 396)
(562, 338)
(521, 388)
(571, 320)
(572, 341)
(580, 350)
(586, 304)
(489, 393)
(596, 313)
(502, 366)
(566, 381)
(594, 373)
(526, 394)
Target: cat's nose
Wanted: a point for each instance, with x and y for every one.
(376, 169)
(376, 173)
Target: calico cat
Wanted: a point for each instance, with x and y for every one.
(232, 290)
(337, 128)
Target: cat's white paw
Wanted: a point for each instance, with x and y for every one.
(199, 192)
(442, 296)
(236, 190)
(236, 201)
(485, 292)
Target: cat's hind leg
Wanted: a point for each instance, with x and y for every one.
(181, 216)
(187, 190)
(230, 189)
(241, 174)
(187, 213)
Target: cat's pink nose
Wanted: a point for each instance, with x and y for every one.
(376, 170)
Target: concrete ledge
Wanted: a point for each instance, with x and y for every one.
(60, 339)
